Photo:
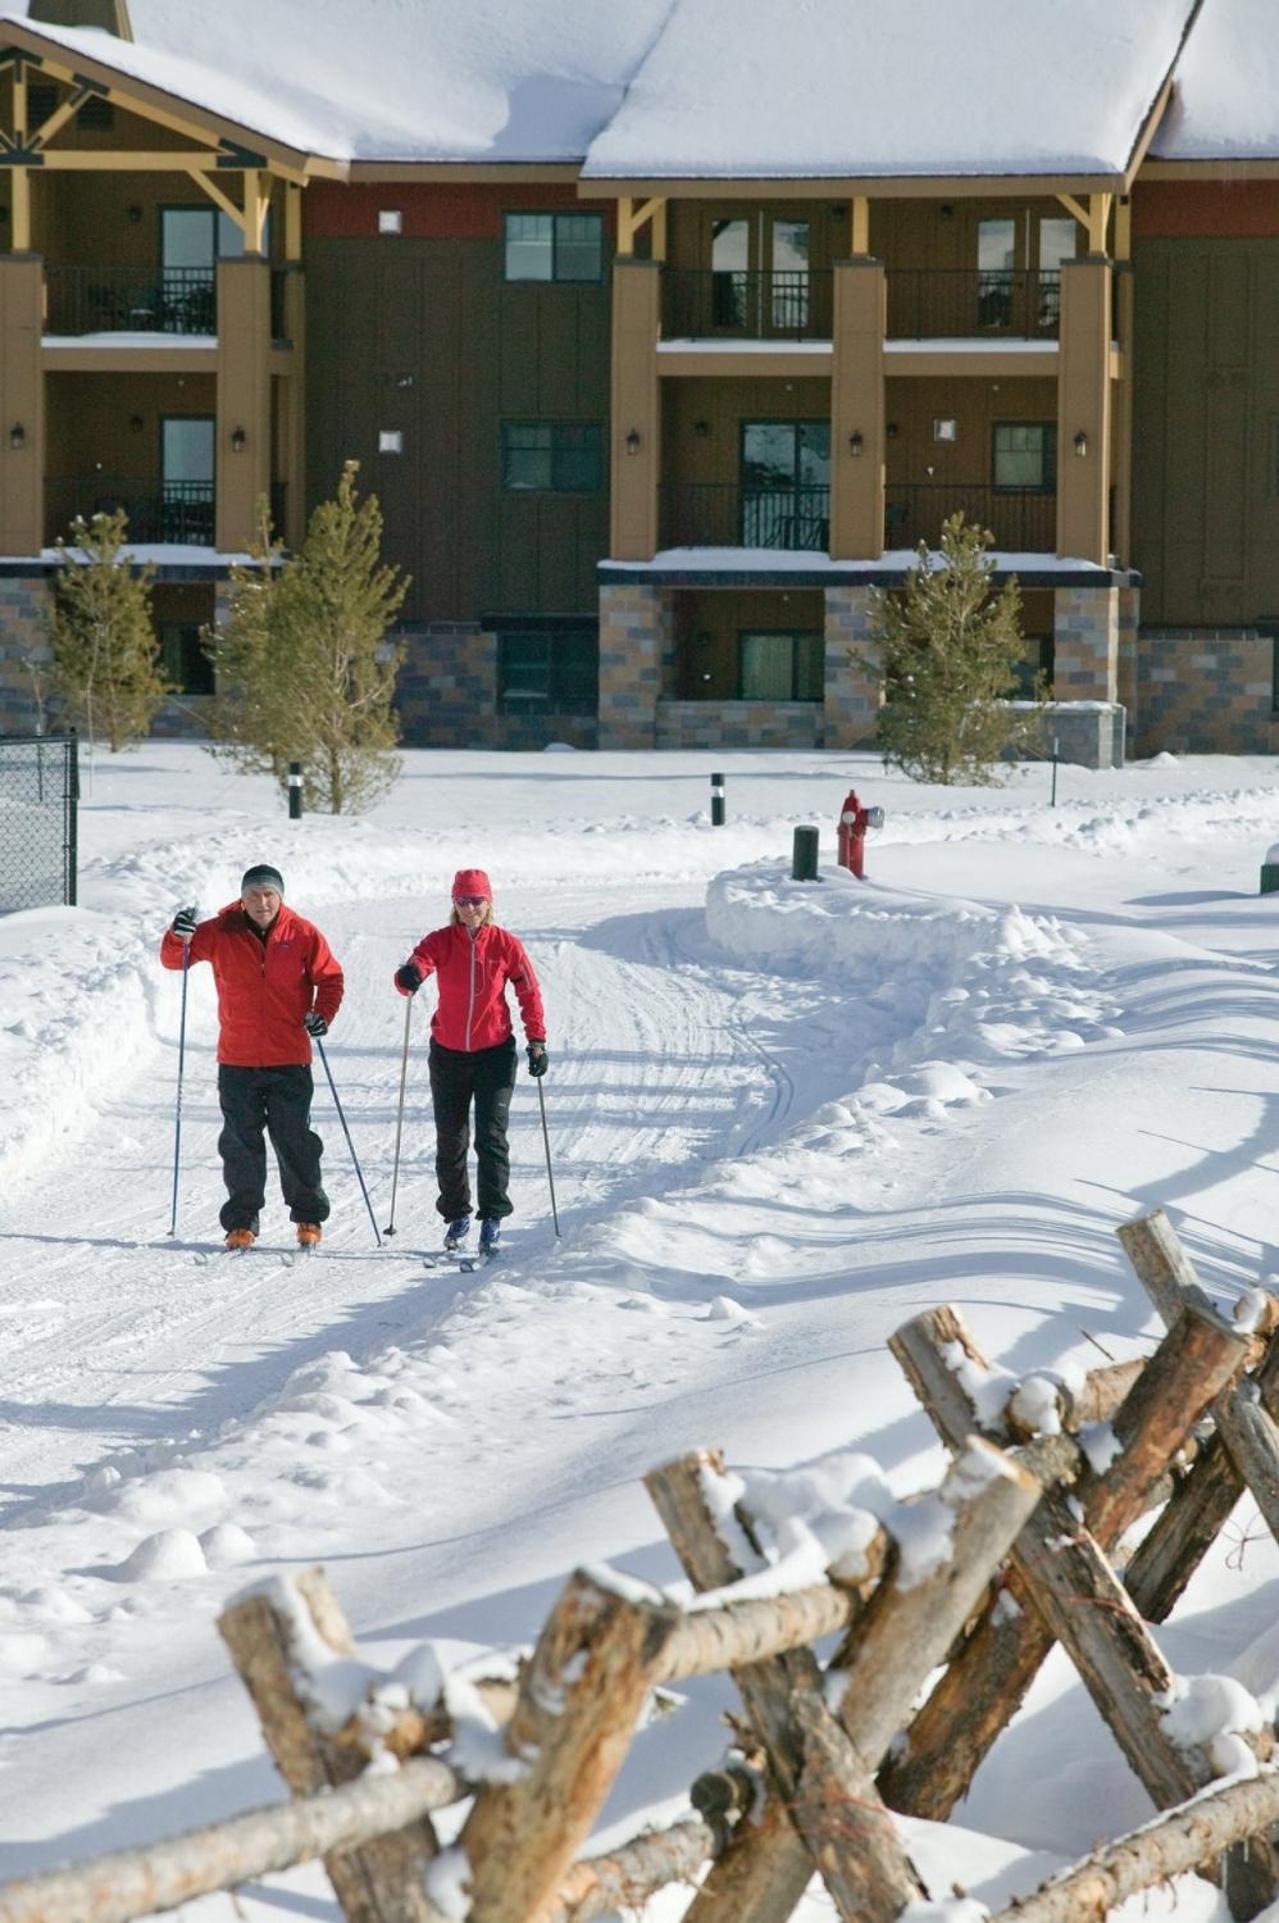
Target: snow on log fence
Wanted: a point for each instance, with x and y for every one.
(1016, 1550)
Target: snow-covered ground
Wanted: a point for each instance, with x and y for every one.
(783, 1119)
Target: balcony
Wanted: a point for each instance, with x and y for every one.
(925, 303)
(960, 303)
(783, 305)
(169, 513)
(699, 514)
(1022, 520)
(113, 300)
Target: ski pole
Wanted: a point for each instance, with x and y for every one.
(547, 1144)
(350, 1144)
(399, 1118)
(182, 1054)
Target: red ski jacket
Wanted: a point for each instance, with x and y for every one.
(264, 987)
(473, 972)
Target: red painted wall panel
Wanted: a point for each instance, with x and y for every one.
(434, 212)
(1178, 208)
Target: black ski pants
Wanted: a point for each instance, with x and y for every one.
(277, 1102)
(487, 1077)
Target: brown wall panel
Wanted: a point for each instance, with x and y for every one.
(426, 338)
(432, 211)
(1205, 415)
(708, 624)
(1206, 208)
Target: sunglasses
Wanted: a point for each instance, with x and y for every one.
(469, 901)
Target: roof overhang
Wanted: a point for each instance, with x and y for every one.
(170, 109)
(1263, 167)
(845, 187)
(465, 172)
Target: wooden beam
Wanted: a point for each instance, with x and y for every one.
(861, 224)
(20, 223)
(101, 160)
(1123, 232)
(1075, 208)
(292, 222)
(257, 204)
(1099, 206)
(659, 231)
(625, 226)
(59, 117)
(219, 199)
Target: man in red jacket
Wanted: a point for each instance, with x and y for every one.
(278, 985)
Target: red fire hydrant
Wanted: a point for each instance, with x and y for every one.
(854, 820)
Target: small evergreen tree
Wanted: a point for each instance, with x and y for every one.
(305, 670)
(106, 664)
(949, 648)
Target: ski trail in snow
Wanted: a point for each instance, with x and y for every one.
(132, 1341)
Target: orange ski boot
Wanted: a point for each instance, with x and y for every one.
(309, 1235)
(240, 1238)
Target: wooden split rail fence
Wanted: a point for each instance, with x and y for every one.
(1040, 1496)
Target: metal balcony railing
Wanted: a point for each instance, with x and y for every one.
(714, 514)
(115, 300)
(962, 303)
(786, 304)
(1022, 520)
(172, 513)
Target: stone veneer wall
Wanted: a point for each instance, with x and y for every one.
(853, 697)
(739, 724)
(1129, 624)
(447, 692)
(24, 602)
(635, 641)
(1206, 691)
(1086, 644)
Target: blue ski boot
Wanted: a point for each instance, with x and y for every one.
(457, 1232)
(490, 1236)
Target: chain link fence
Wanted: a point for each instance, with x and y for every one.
(39, 797)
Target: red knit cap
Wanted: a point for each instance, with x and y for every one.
(471, 881)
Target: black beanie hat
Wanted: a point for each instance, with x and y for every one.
(262, 875)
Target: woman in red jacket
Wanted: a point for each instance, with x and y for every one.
(472, 1053)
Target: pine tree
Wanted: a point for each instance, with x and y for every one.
(948, 648)
(106, 665)
(305, 670)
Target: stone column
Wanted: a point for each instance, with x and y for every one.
(1129, 620)
(635, 463)
(25, 656)
(634, 634)
(853, 696)
(22, 392)
(857, 411)
(1086, 644)
(243, 435)
(1083, 411)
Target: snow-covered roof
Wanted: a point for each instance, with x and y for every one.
(1226, 102)
(882, 88)
(405, 80)
(673, 89)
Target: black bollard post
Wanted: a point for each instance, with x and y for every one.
(803, 865)
(717, 801)
(295, 791)
(1052, 802)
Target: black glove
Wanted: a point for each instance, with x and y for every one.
(183, 925)
(409, 978)
(314, 1024)
(537, 1058)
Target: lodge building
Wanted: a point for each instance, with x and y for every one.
(664, 331)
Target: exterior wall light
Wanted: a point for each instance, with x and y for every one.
(1081, 443)
(17, 436)
(892, 430)
(633, 441)
(136, 423)
(856, 443)
(135, 214)
(702, 429)
(239, 440)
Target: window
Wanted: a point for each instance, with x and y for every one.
(785, 493)
(390, 220)
(197, 237)
(552, 457)
(186, 469)
(549, 671)
(186, 666)
(996, 253)
(390, 440)
(1026, 455)
(781, 666)
(554, 247)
